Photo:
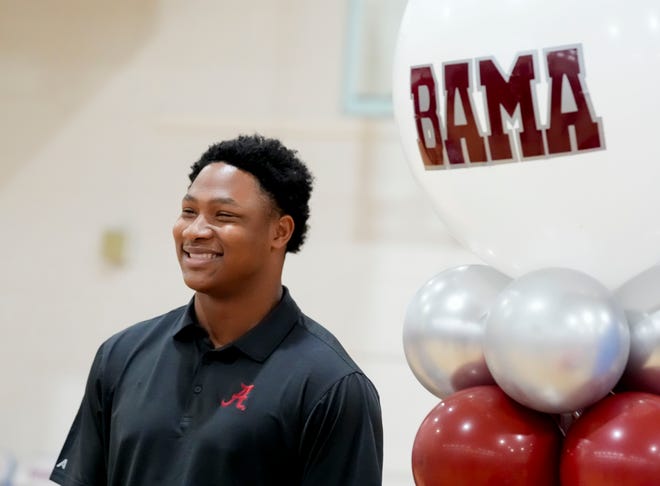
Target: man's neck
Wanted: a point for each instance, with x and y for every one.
(226, 318)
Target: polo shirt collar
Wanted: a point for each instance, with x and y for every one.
(260, 341)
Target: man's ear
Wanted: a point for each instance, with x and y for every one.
(282, 232)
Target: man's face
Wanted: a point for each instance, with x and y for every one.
(223, 235)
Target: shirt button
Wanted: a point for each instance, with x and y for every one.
(197, 389)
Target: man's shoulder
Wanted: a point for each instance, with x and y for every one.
(159, 322)
(315, 356)
(322, 347)
(143, 333)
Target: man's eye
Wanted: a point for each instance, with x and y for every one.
(187, 212)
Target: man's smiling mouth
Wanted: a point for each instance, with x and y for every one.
(201, 254)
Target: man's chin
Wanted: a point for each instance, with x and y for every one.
(198, 285)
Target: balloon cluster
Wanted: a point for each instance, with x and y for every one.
(543, 379)
(532, 127)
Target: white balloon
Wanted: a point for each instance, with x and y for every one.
(556, 340)
(579, 188)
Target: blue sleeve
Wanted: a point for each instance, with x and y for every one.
(82, 461)
(342, 441)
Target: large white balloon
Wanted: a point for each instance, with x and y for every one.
(556, 340)
(533, 127)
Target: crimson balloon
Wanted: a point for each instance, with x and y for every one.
(615, 442)
(480, 436)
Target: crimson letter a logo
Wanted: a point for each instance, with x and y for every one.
(239, 397)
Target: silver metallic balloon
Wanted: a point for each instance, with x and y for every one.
(640, 298)
(443, 328)
(556, 340)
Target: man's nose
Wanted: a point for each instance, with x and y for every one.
(198, 228)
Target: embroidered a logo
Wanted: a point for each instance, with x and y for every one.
(239, 397)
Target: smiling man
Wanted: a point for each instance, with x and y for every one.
(238, 387)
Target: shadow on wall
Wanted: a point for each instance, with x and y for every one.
(53, 57)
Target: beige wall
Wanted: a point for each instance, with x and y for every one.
(105, 105)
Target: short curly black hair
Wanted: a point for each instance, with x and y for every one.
(281, 174)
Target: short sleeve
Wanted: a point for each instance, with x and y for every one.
(342, 442)
(82, 461)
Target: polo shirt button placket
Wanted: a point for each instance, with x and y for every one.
(197, 389)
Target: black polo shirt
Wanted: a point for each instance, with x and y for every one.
(282, 405)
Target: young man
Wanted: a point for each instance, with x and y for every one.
(239, 387)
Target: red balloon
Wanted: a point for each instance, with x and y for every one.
(480, 436)
(615, 442)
